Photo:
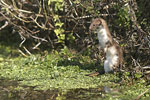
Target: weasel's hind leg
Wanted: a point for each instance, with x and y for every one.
(108, 66)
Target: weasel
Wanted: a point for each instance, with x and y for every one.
(111, 47)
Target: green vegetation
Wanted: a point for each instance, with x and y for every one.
(66, 72)
(58, 73)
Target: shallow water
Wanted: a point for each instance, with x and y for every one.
(11, 90)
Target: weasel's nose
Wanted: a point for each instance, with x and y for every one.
(90, 28)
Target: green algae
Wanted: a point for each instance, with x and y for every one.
(66, 74)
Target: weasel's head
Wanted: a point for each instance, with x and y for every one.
(96, 24)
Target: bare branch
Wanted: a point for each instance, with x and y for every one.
(35, 47)
(5, 25)
(22, 53)
(27, 50)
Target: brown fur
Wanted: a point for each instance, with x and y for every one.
(99, 21)
(93, 27)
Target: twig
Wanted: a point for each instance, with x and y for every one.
(88, 16)
(146, 67)
(27, 50)
(36, 45)
(22, 53)
(23, 39)
(136, 62)
(139, 96)
(34, 20)
(147, 72)
(71, 3)
(6, 24)
(23, 20)
(3, 3)
(35, 37)
(50, 41)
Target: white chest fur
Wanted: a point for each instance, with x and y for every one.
(102, 36)
(111, 59)
(111, 52)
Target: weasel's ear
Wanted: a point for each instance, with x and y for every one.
(93, 19)
(100, 21)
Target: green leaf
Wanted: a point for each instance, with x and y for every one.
(59, 33)
(49, 2)
(56, 18)
(59, 24)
